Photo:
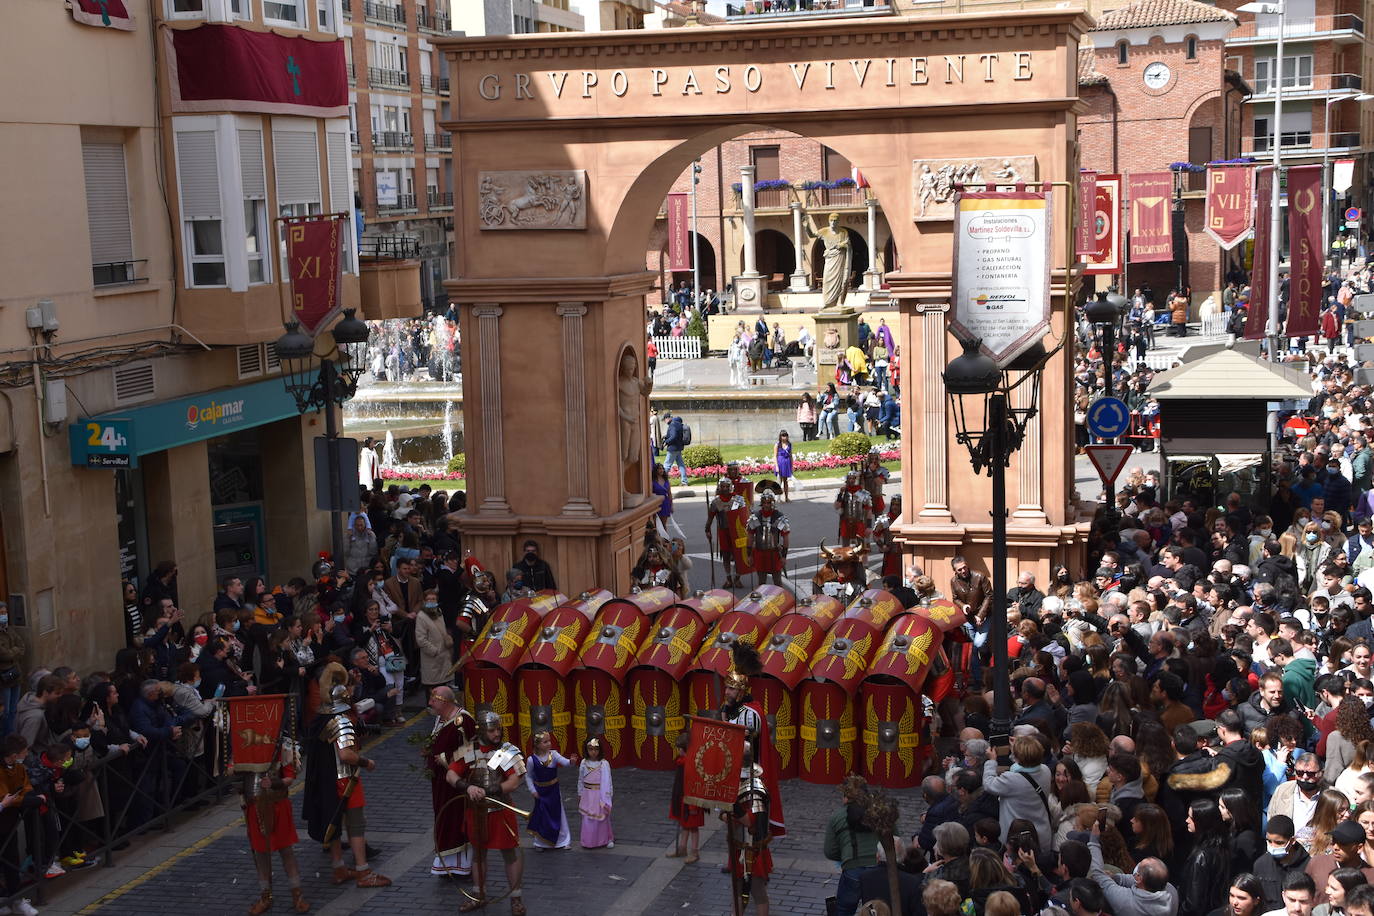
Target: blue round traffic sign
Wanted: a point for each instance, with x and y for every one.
(1108, 418)
(1352, 213)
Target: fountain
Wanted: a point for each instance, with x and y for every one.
(389, 459)
(446, 433)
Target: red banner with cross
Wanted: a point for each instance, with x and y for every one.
(314, 268)
(223, 67)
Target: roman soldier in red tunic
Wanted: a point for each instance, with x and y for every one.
(719, 510)
(855, 506)
(874, 477)
(454, 731)
(272, 828)
(740, 707)
(769, 532)
(751, 862)
(487, 776)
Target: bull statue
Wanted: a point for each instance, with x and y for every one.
(843, 574)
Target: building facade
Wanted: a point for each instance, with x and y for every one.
(145, 418)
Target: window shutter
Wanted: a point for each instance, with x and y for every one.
(297, 158)
(134, 382)
(107, 202)
(250, 360)
(340, 164)
(198, 170)
(251, 165)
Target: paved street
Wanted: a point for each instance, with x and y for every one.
(204, 865)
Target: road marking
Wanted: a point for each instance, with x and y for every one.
(216, 834)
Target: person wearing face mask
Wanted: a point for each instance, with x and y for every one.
(1283, 857)
(1312, 553)
(538, 573)
(435, 642)
(11, 674)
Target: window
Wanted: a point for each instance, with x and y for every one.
(340, 162)
(1123, 50)
(296, 156)
(836, 166)
(1295, 130)
(201, 212)
(1297, 73)
(254, 178)
(107, 208)
(325, 15)
(765, 159)
(185, 9)
(241, 9)
(282, 12)
(1190, 48)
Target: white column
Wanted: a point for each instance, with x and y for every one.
(933, 427)
(1027, 460)
(746, 194)
(575, 409)
(872, 277)
(488, 353)
(799, 284)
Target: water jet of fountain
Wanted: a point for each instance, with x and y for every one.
(448, 432)
(389, 458)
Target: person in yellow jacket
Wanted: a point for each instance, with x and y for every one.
(858, 364)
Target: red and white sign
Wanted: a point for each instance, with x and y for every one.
(679, 248)
(1151, 235)
(1109, 460)
(312, 251)
(1230, 204)
(1106, 258)
(1085, 241)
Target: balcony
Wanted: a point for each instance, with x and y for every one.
(389, 278)
(431, 22)
(436, 201)
(776, 10)
(766, 198)
(1304, 143)
(352, 74)
(1342, 27)
(1319, 86)
(348, 7)
(836, 197)
(353, 140)
(429, 83)
(439, 141)
(443, 85)
(118, 273)
(384, 14)
(405, 203)
(380, 77)
(393, 139)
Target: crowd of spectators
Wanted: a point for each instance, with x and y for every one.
(415, 349)
(87, 757)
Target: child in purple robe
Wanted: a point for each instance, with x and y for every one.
(594, 797)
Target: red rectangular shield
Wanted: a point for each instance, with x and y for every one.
(1305, 249)
(1106, 255)
(312, 256)
(1084, 242)
(679, 245)
(737, 523)
(1230, 203)
(1258, 314)
(714, 755)
(255, 723)
(1151, 235)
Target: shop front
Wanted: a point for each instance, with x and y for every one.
(220, 483)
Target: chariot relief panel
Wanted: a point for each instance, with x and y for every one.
(532, 199)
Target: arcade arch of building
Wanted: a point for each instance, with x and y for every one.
(566, 145)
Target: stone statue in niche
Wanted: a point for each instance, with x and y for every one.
(633, 390)
(936, 180)
(532, 199)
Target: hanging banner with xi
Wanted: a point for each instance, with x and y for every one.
(1230, 201)
(1151, 235)
(315, 268)
(1305, 249)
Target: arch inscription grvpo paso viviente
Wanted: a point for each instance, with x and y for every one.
(566, 145)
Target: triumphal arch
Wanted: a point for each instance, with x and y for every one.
(566, 145)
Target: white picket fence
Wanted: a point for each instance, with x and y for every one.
(678, 347)
(1214, 325)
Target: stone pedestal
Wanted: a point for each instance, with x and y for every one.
(872, 279)
(750, 293)
(840, 328)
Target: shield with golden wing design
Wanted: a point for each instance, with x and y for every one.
(556, 640)
(599, 711)
(845, 654)
(503, 641)
(785, 652)
(768, 602)
(875, 606)
(735, 626)
(614, 639)
(908, 650)
(672, 641)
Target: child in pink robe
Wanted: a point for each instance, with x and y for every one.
(594, 796)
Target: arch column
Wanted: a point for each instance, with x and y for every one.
(799, 284)
(750, 288)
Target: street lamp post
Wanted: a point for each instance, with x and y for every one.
(696, 240)
(334, 382)
(1105, 313)
(1327, 189)
(1271, 323)
(979, 391)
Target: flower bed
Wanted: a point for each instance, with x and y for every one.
(808, 461)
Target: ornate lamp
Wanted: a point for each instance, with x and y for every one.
(350, 335)
(296, 351)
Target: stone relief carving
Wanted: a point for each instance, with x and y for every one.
(934, 180)
(533, 199)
